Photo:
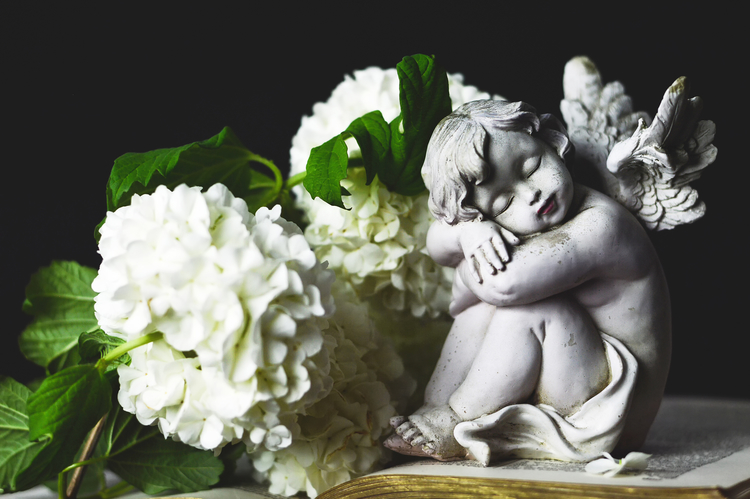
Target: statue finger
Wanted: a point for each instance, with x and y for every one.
(502, 252)
(509, 237)
(474, 269)
(488, 260)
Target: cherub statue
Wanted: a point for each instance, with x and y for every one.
(561, 342)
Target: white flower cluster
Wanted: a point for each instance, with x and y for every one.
(339, 437)
(379, 245)
(241, 301)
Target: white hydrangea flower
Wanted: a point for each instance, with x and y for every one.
(339, 437)
(379, 245)
(241, 301)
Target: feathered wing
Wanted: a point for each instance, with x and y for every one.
(646, 166)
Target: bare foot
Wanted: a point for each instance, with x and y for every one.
(427, 433)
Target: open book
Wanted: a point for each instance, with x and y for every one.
(700, 449)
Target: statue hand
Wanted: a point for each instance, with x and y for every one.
(485, 247)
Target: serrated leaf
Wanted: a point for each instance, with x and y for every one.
(142, 457)
(157, 465)
(222, 158)
(395, 151)
(326, 168)
(62, 302)
(123, 431)
(66, 359)
(16, 450)
(75, 396)
(61, 412)
(373, 136)
(94, 345)
(424, 100)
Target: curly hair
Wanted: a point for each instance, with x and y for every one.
(455, 158)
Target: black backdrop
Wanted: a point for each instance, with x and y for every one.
(83, 85)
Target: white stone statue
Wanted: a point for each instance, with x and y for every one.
(561, 342)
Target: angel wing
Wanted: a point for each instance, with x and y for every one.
(646, 166)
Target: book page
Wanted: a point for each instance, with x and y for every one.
(693, 442)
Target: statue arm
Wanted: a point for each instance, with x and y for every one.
(597, 242)
(482, 243)
(443, 244)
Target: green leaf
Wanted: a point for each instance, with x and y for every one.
(222, 158)
(156, 465)
(16, 450)
(393, 152)
(95, 345)
(327, 164)
(326, 168)
(373, 135)
(424, 100)
(62, 302)
(142, 457)
(123, 431)
(62, 411)
(66, 359)
(75, 396)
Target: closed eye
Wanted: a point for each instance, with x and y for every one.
(505, 208)
(536, 167)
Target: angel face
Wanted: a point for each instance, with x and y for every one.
(527, 189)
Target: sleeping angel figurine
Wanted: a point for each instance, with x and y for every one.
(561, 342)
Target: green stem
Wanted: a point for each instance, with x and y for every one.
(62, 483)
(113, 491)
(295, 179)
(278, 178)
(81, 463)
(118, 352)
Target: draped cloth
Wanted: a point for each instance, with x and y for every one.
(539, 431)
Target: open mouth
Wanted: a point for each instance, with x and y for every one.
(548, 206)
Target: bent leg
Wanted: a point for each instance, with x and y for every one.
(459, 351)
(549, 349)
(507, 366)
(429, 431)
(500, 366)
(546, 352)
(574, 360)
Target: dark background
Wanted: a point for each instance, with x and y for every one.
(83, 85)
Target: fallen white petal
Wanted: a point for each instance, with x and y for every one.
(609, 466)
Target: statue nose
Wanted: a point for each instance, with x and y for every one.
(534, 196)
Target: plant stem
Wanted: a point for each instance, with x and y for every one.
(113, 491)
(79, 468)
(295, 179)
(116, 353)
(278, 178)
